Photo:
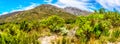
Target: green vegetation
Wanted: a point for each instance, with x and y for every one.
(54, 23)
(40, 12)
(101, 27)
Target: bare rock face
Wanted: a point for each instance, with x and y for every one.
(76, 11)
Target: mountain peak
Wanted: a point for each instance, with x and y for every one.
(46, 6)
(73, 8)
(76, 11)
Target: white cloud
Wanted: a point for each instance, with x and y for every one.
(109, 4)
(22, 8)
(26, 8)
(48, 1)
(85, 5)
(82, 4)
(31, 6)
(4, 13)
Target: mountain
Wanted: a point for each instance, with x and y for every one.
(39, 12)
(42, 11)
(76, 11)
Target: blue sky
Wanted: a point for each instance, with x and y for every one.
(8, 6)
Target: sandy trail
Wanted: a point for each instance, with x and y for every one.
(47, 39)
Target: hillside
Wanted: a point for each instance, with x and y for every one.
(42, 11)
(47, 24)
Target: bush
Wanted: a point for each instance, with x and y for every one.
(54, 23)
(26, 26)
(92, 27)
(11, 34)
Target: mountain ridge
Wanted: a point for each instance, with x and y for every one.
(39, 12)
(76, 11)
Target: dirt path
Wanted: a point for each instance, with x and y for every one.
(47, 39)
(114, 43)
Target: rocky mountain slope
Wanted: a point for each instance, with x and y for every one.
(76, 11)
(42, 11)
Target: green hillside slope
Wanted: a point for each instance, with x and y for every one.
(42, 11)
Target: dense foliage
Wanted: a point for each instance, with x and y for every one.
(102, 25)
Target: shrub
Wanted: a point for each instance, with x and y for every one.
(54, 23)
